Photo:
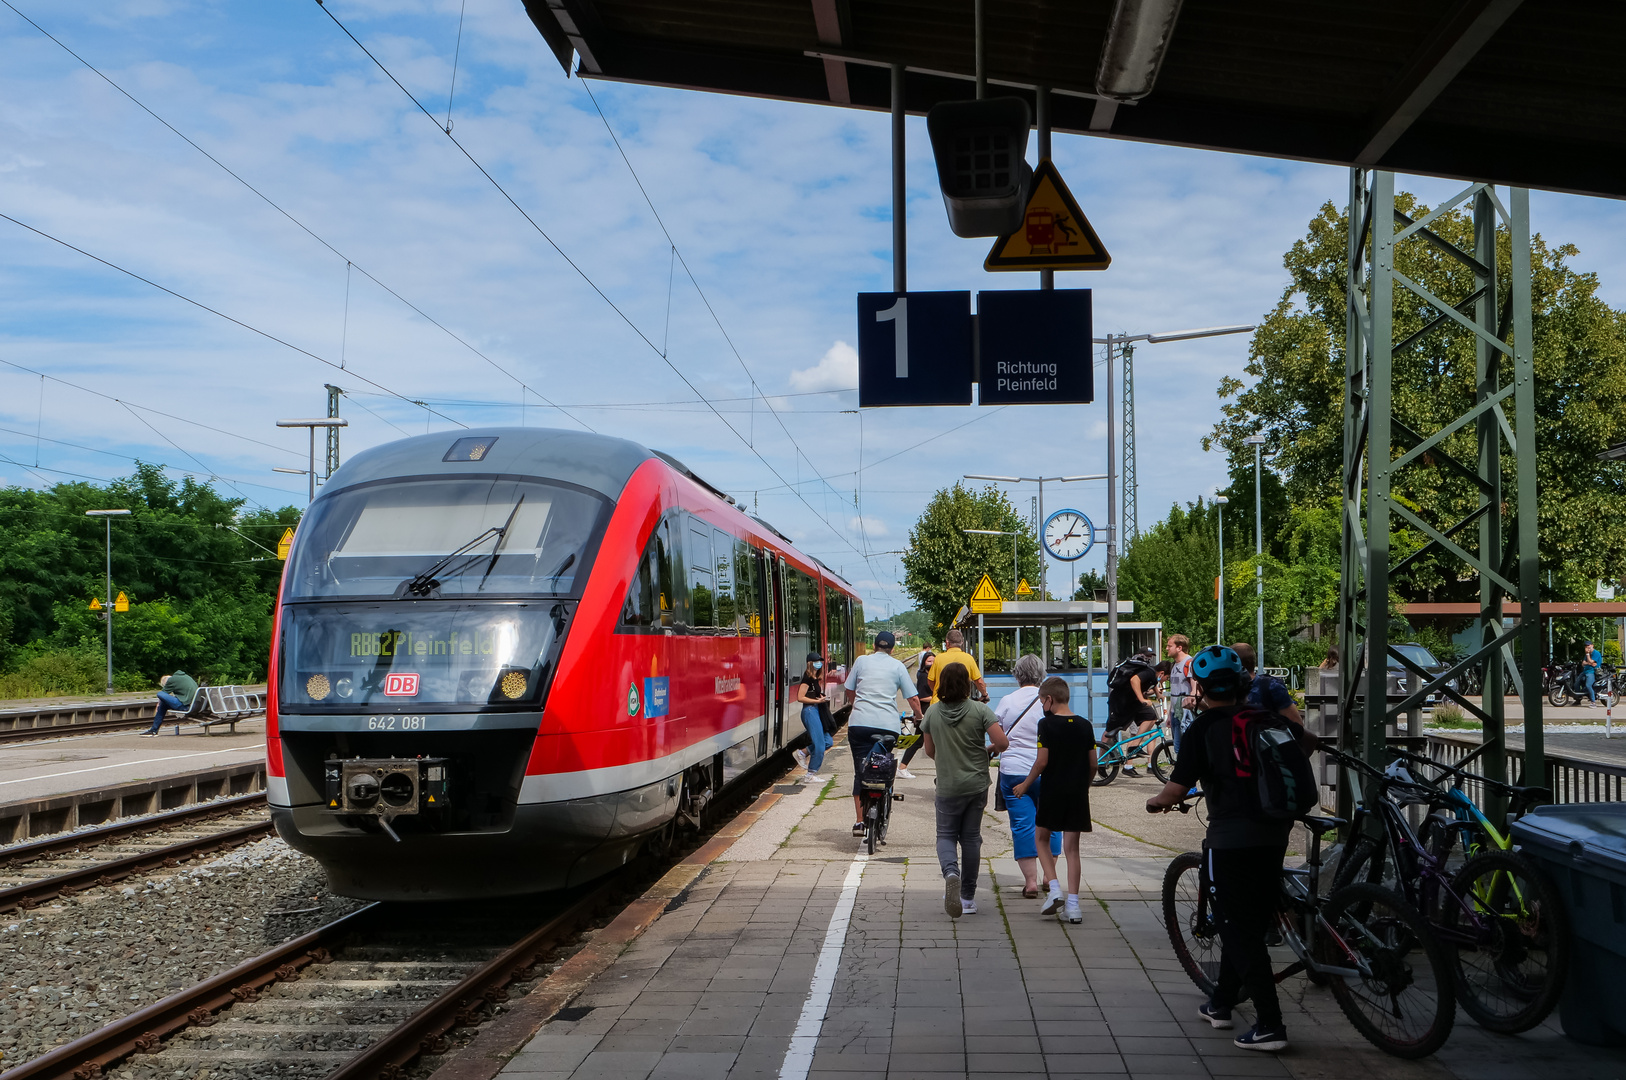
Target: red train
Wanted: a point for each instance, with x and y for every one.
(504, 662)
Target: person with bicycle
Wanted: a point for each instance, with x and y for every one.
(1244, 848)
(1178, 647)
(954, 734)
(1127, 703)
(875, 680)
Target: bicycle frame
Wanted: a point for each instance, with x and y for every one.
(1118, 752)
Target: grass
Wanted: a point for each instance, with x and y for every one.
(824, 792)
(1451, 717)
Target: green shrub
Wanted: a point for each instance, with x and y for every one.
(1448, 714)
(43, 672)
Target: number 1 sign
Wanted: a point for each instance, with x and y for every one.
(914, 348)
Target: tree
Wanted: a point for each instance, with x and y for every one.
(1296, 400)
(1169, 571)
(1088, 582)
(943, 564)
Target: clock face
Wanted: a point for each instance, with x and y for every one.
(1068, 535)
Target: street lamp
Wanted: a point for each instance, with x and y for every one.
(1015, 577)
(1219, 586)
(107, 516)
(322, 422)
(1112, 469)
(1257, 441)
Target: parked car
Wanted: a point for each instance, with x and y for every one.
(1419, 655)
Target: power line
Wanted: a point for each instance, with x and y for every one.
(161, 464)
(220, 314)
(582, 273)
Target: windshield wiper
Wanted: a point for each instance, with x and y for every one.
(425, 584)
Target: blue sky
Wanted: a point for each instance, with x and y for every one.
(781, 211)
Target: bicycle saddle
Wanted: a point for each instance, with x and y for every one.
(1323, 824)
(885, 741)
(1530, 794)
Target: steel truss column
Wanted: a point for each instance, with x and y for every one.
(1379, 445)
(1131, 528)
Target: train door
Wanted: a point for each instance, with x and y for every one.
(774, 639)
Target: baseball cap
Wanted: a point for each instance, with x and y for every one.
(812, 656)
(885, 640)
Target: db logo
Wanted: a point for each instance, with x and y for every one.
(404, 684)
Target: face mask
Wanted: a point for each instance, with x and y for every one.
(817, 664)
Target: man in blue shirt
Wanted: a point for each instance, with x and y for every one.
(1265, 692)
(1590, 659)
(876, 681)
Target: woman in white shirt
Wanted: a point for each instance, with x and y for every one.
(1019, 715)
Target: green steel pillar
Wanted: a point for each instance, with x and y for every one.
(1524, 417)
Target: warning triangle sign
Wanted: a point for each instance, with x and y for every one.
(1055, 234)
(1023, 588)
(985, 599)
(285, 543)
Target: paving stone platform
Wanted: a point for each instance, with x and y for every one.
(730, 983)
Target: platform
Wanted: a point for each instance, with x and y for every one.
(793, 957)
(45, 767)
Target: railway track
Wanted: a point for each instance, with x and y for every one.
(364, 996)
(62, 865)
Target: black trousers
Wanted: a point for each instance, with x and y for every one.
(1248, 886)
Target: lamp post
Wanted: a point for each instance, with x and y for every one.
(1219, 586)
(1120, 340)
(312, 425)
(1257, 441)
(107, 516)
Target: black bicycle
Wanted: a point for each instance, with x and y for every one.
(875, 779)
(1500, 919)
(1367, 944)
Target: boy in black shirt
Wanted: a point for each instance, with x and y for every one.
(1244, 850)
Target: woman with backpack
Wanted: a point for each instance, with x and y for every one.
(1246, 843)
(1019, 713)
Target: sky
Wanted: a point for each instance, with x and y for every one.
(680, 272)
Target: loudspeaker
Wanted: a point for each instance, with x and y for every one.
(980, 148)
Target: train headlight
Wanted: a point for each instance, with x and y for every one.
(345, 687)
(513, 685)
(318, 687)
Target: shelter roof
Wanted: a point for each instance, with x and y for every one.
(1531, 94)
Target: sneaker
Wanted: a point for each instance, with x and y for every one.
(1129, 770)
(1258, 1038)
(968, 907)
(1072, 914)
(1274, 937)
(1051, 904)
(858, 828)
(801, 757)
(905, 774)
(812, 778)
(1216, 1016)
(149, 734)
(951, 896)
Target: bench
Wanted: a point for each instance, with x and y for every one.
(227, 705)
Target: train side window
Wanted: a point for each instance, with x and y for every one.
(650, 594)
(697, 547)
(835, 607)
(722, 554)
(746, 571)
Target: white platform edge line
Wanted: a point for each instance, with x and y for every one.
(799, 1055)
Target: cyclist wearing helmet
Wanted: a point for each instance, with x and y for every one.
(1244, 848)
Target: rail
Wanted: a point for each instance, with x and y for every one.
(1572, 778)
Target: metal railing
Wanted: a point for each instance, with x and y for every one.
(1573, 779)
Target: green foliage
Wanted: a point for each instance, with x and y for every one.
(1088, 583)
(201, 590)
(943, 564)
(908, 625)
(1169, 571)
(1296, 401)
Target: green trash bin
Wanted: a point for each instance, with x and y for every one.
(1582, 848)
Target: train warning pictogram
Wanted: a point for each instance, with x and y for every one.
(1055, 234)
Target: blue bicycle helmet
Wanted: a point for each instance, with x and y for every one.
(1219, 670)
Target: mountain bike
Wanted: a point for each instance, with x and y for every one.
(1501, 920)
(1371, 948)
(1114, 756)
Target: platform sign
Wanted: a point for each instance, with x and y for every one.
(1034, 347)
(121, 603)
(985, 599)
(914, 348)
(285, 543)
(1055, 234)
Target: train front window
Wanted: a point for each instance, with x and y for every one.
(354, 656)
(466, 536)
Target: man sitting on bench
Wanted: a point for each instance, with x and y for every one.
(175, 692)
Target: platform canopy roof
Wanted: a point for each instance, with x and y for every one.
(1526, 93)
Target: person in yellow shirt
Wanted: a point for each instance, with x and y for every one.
(954, 653)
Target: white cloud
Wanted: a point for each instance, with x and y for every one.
(837, 369)
(867, 526)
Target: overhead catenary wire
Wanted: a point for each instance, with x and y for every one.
(164, 465)
(285, 213)
(625, 318)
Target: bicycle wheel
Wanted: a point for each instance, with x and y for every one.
(1162, 763)
(1106, 771)
(872, 827)
(1362, 861)
(1193, 927)
(1404, 1004)
(1510, 980)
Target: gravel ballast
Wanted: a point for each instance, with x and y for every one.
(71, 966)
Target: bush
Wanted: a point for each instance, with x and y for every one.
(45, 672)
(1448, 714)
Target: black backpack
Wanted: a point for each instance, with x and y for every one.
(1265, 750)
(1135, 665)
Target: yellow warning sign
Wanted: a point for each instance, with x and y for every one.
(985, 599)
(285, 543)
(1023, 588)
(122, 603)
(95, 603)
(1055, 234)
